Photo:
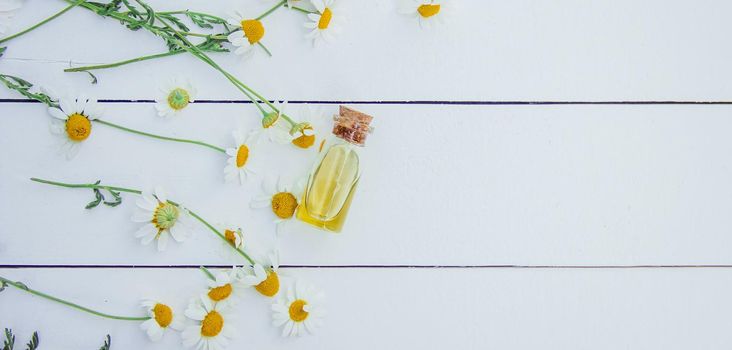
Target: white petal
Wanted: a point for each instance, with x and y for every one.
(287, 329)
(57, 113)
(146, 230)
(73, 150)
(142, 216)
(178, 232)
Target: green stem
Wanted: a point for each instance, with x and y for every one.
(300, 9)
(207, 272)
(49, 19)
(160, 137)
(275, 7)
(25, 288)
(121, 63)
(214, 230)
(264, 48)
(195, 51)
(183, 12)
(130, 190)
(103, 187)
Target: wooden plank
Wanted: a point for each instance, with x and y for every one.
(442, 185)
(407, 308)
(490, 50)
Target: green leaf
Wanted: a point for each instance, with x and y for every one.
(9, 341)
(117, 199)
(107, 343)
(33, 343)
(98, 198)
(2, 50)
(3, 285)
(93, 77)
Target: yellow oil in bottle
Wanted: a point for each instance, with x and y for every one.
(330, 189)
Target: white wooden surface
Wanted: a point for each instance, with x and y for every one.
(536, 185)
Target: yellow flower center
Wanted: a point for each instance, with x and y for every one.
(178, 99)
(284, 205)
(220, 293)
(270, 286)
(212, 324)
(230, 236)
(253, 30)
(165, 216)
(242, 155)
(428, 10)
(304, 141)
(325, 18)
(78, 127)
(297, 312)
(163, 315)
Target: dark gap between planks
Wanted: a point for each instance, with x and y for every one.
(425, 102)
(22, 266)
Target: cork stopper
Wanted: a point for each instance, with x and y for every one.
(352, 125)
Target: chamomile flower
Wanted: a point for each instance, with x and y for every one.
(324, 24)
(252, 275)
(225, 288)
(274, 126)
(212, 326)
(270, 285)
(162, 318)
(250, 34)
(282, 199)
(427, 12)
(7, 12)
(175, 95)
(73, 122)
(234, 237)
(238, 166)
(305, 133)
(162, 219)
(300, 311)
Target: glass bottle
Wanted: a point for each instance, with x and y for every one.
(334, 177)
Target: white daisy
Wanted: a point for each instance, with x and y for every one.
(7, 12)
(250, 33)
(213, 326)
(265, 277)
(238, 166)
(282, 199)
(275, 127)
(175, 95)
(162, 318)
(162, 219)
(427, 12)
(252, 275)
(306, 133)
(234, 237)
(225, 288)
(72, 122)
(324, 24)
(301, 311)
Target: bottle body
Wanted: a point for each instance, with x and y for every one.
(331, 187)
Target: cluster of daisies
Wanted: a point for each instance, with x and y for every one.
(162, 220)
(209, 321)
(211, 316)
(324, 21)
